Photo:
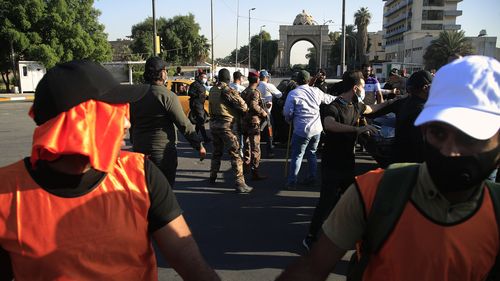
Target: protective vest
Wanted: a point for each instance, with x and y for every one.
(218, 110)
(101, 235)
(421, 249)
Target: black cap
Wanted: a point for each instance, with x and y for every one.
(154, 65)
(303, 77)
(224, 75)
(69, 84)
(419, 79)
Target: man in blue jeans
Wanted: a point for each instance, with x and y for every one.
(302, 107)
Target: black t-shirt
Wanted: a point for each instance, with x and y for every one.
(163, 209)
(409, 142)
(339, 147)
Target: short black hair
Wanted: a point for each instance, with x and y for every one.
(237, 75)
(252, 79)
(224, 75)
(350, 79)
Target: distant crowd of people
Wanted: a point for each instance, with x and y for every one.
(80, 208)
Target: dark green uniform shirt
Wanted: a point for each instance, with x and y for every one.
(153, 119)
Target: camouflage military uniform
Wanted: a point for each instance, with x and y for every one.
(251, 126)
(224, 105)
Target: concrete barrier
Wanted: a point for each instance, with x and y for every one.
(16, 97)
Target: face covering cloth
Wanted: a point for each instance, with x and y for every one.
(94, 129)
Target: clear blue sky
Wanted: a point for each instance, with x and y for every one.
(119, 16)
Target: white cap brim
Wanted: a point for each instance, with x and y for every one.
(475, 123)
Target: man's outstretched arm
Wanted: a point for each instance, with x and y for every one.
(179, 248)
(317, 264)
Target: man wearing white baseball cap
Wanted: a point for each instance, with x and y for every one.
(438, 220)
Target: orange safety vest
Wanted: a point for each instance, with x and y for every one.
(101, 235)
(420, 249)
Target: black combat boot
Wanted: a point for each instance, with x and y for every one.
(212, 179)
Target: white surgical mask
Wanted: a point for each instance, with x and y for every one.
(361, 94)
(204, 80)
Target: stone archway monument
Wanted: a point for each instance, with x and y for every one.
(304, 28)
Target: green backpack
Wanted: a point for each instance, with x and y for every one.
(393, 193)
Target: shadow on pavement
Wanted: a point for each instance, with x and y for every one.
(263, 229)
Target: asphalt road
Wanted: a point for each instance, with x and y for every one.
(244, 237)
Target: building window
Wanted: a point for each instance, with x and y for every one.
(432, 15)
(379, 44)
(25, 71)
(439, 3)
(432, 27)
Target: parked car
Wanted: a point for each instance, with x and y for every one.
(180, 87)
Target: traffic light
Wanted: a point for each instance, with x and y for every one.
(157, 50)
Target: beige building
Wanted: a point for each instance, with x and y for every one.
(410, 25)
(484, 45)
(376, 51)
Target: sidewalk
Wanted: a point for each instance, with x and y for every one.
(16, 97)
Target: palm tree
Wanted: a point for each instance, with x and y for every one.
(449, 43)
(362, 19)
(349, 45)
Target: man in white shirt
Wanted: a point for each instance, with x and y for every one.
(302, 107)
(268, 91)
(236, 85)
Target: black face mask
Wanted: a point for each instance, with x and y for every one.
(462, 172)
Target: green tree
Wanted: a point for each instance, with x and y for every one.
(311, 56)
(335, 52)
(447, 44)
(181, 42)
(362, 19)
(142, 36)
(269, 52)
(51, 31)
(299, 67)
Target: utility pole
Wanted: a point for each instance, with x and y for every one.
(154, 29)
(342, 58)
(321, 41)
(237, 25)
(249, 39)
(212, 35)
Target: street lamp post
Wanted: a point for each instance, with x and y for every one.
(321, 42)
(154, 29)
(212, 36)
(249, 39)
(237, 25)
(342, 57)
(260, 51)
(355, 48)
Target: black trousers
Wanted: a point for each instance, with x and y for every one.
(166, 160)
(333, 184)
(200, 128)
